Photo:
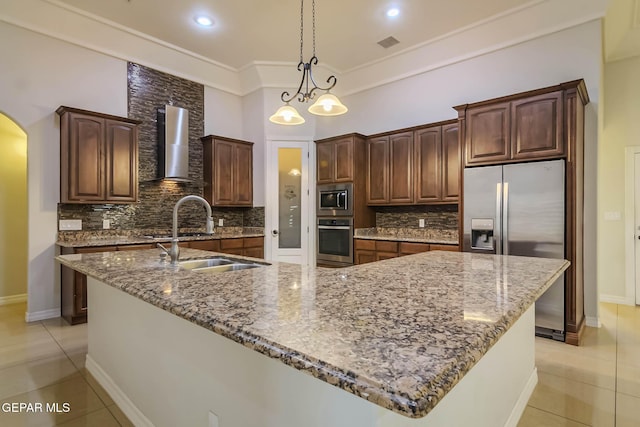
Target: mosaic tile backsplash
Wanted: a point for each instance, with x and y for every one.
(437, 217)
(149, 90)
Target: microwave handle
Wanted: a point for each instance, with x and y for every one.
(342, 195)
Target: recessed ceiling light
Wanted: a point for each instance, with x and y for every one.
(203, 20)
(393, 12)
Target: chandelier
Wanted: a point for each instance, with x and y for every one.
(326, 104)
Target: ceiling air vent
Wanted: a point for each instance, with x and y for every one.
(388, 42)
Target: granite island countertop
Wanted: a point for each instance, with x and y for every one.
(403, 347)
(133, 237)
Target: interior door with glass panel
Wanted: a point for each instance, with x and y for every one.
(288, 198)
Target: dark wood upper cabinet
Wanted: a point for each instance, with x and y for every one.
(390, 169)
(518, 129)
(121, 161)
(428, 164)
(98, 157)
(536, 129)
(488, 135)
(401, 168)
(451, 163)
(228, 171)
(378, 171)
(335, 160)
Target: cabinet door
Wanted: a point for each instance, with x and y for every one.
(253, 252)
(343, 160)
(378, 171)
(363, 257)
(223, 173)
(401, 168)
(536, 126)
(428, 164)
(243, 175)
(450, 163)
(409, 248)
(85, 164)
(385, 255)
(325, 162)
(121, 147)
(488, 134)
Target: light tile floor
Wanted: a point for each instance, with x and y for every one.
(596, 384)
(43, 362)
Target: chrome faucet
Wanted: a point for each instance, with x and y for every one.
(174, 252)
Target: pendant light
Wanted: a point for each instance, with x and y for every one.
(326, 104)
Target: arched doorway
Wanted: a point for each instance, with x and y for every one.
(13, 212)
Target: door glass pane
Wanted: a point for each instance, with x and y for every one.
(289, 197)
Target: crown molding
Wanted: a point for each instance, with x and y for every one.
(533, 20)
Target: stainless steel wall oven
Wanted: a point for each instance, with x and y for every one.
(335, 241)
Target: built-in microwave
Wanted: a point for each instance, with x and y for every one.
(335, 200)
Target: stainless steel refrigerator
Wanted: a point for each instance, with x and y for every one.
(519, 209)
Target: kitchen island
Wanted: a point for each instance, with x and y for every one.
(381, 344)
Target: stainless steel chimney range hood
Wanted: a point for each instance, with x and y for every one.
(173, 144)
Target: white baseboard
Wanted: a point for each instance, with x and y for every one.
(594, 322)
(523, 400)
(119, 397)
(615, 299)
(42, 315)
(13, 299)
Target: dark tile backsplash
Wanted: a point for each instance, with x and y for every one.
(437, 217)
(149, 90)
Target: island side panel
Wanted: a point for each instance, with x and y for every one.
(163, 370)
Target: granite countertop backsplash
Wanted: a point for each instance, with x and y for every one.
(141, 236)
(419, 235)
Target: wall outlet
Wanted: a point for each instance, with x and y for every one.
(612, 216)
(106, 224)
(421, 223)
(70, 224)
(221, 222)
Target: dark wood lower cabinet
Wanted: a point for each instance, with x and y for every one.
(367, 250)
(73, 285)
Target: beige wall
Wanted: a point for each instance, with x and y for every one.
(620, 128)
(13, 210)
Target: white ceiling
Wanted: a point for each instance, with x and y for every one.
(246, 31)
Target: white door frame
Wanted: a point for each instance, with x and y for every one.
(271, 175)
(632, 282)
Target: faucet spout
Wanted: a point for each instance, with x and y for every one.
(174, 252)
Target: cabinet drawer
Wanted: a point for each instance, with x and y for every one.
(231, 243)
(369, 245)
(253, 242)
(407, 248)
(386, 246)
(205, 245)
(94, 249)
(451, 248)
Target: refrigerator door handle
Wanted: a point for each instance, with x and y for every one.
(498, 224)
(505, 218)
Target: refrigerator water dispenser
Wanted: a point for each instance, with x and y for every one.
(482, 234)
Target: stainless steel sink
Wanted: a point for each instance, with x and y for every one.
(193, 264)
(228, 267)
(217, 264)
